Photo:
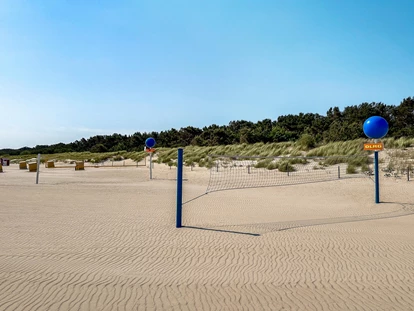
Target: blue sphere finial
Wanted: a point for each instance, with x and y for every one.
(150, 142)
(375, 127)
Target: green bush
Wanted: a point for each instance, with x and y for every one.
(285, 166)
(298, 161)
(306, 141)
(365, 168)
(351, 169)
(272, 166)
(117, 158)
(209, 163)
(263, 163)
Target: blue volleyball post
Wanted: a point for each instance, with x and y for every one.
(179, 188)
(376, 128)
(377, 200)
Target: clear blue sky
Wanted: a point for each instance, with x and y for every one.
(75, 68)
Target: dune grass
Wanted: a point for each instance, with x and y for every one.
(68, 157)
(196, 155)
(400, 143)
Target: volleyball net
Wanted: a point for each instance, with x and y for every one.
(237, 172)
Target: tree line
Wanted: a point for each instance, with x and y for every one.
(336, 125)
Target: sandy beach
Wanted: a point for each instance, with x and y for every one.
(105, 239)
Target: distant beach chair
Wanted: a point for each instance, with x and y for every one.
(79, 166)
(49, 164)
(32, 167)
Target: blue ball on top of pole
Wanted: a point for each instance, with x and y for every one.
(375, 127)
(150, 142)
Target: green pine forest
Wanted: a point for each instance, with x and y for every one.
(313, 130)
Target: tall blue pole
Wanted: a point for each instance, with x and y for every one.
(377, 200)
(179, 188)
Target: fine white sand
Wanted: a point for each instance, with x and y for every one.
(105, 239)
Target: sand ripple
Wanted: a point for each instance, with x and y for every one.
(111, 244)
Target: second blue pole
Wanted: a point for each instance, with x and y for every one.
(377, 200)
(178, 223)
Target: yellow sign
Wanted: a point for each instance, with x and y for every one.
(150, 150)
(374, 146)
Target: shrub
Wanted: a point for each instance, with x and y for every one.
(117, 158)
(298, 161)
(285, 166)
(272, 166)
(351, 169)
(209, 163)
(306, 141)
(364, 168)
(263, 163)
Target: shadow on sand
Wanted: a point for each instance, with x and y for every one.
(406, 209)
(258, 229)
(220, 230)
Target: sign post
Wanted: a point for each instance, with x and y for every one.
(151, 165)
(376, 128)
